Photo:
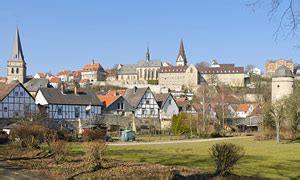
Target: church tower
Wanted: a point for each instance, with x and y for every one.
(16, 65)
(181, 58)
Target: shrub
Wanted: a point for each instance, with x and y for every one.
(95, 134)
(215, 135)
(59, 149)
(153, 82)
(94, 154)
(27, 135)
(225, 156)
(266, 134)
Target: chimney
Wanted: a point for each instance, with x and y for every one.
(75, 90)
(62, 88)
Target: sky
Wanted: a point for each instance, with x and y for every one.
(58, 35)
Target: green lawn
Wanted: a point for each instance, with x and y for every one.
(264, 159)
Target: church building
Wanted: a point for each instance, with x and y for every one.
(16, 65)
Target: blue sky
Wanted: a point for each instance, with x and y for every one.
(58, 35)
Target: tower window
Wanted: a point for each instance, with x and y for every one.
(17, 70)
(12, 70)
(278, 86)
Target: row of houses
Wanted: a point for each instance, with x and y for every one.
(61, 104)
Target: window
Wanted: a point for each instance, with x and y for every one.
(170, 101)
(5, 109)
(76, 112)
(191, 70)
(16, 93)
(143, 112)
(12, 70)
(59, 111)
(17, 71)
(21, 94)
(120, 106)
(147, 102)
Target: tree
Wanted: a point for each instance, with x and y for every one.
(249, 69)
(287, 11)
(202, 64)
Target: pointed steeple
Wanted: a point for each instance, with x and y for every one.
(181, 58)
(147, 54)
(17, 52)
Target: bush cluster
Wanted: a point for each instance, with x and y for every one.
(94, 134)
(94, 154)
(225, 156)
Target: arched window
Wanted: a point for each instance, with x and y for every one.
(191, 70)
(12, 70)
(17, 70)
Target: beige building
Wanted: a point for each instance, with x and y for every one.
(16, 65)
(143, 71)
(272, 65)
(173, 76)
(226, 74)
(181, 74)
(282, 84)
(93, 72)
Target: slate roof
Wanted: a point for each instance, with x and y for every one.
(133, 96)
(54, 96)
(223, 69)
(173, 69)
(34, 84)
(283, 71)
(17, 52)
(161, 98)
(151, 63)
(181, 52)
(128, 69)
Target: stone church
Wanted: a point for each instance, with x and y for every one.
(16, 65)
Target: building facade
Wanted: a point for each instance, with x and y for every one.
(143, 71)
(16, 65)
(16, 102)
(168, 106)
(272, 65)
(282, 84)
(143, 101)
(94, 72)
(174, 76)
(227, 74)
(59, 105)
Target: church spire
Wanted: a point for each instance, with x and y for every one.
(17, 53)
(147, 54)
(181, 58)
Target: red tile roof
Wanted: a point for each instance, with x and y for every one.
(119, 92)
(42, 75)
(64, 73)
(84, 80)
(107, 99)
(243, 107)
(6, 89)
(55, 80)
(92, 67)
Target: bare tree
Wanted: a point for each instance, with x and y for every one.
(287, 11)
(202, 64)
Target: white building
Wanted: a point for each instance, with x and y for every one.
(167, 104)
(60, 105)
(143, 101)
(16, 102)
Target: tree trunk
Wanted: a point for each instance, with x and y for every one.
(277, 131)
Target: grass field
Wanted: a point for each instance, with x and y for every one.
(264, 159)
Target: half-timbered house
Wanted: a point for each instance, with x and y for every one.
(16, 101)
(59, 105)
(143, 101)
